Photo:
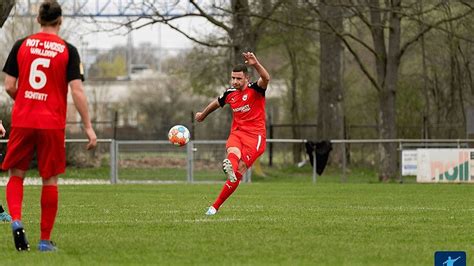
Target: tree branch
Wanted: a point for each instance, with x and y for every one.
(268, 15)
(430, 27)
(208, 44)
(352, 51)
(210, 18)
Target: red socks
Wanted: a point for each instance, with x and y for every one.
(49, 208)
(49, 204)
(226, 191)
(229, 187)
(14, 193)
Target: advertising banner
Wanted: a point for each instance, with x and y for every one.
(445, 166)
(409, 162)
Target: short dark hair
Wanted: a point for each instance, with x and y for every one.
(49, 13)
(240, 68)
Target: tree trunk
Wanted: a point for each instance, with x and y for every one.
(242, 36)
(331, 93)
(295, 117)
(5, 8)
(387, 77)
(426, 94)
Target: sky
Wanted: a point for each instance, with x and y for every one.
(158, 34)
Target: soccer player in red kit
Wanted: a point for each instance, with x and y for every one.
(39, 70)
(247, 138)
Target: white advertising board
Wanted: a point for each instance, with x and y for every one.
(409, 162)
(445, 166)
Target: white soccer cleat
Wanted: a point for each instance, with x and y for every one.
(211, 211)
(228, 170)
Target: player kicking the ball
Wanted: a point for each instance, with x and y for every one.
(247, 138)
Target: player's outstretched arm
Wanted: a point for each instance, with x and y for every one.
(10, 86)
(251, 60)
(80, 101)
(211, 107)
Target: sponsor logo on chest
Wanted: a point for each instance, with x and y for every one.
(242, 109)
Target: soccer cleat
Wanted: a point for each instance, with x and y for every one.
(19, 237)
(211, 211)
(47, 246)
(228, 170)
(5, 217)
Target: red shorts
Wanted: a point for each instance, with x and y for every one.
(50, 150)
(251, 146)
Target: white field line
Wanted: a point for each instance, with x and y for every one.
(205, 219)
(64, 181)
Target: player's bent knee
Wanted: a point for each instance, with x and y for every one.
(234, 150)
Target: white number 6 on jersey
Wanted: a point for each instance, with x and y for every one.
(35, 73)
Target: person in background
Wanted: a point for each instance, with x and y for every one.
(39, 70)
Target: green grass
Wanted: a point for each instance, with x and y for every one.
(263, 223)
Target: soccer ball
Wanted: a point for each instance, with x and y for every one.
(179, 135)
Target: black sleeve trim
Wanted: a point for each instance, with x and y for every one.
(74, 65)
(222, 98)
(11, 65)
(254, 85)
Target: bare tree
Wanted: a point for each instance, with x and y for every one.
(240, 26)
(383, 20)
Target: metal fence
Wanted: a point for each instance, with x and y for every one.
(142, 161)
(198, 161)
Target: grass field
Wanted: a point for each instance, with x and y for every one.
(284, 223)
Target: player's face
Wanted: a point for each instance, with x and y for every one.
(238, 80)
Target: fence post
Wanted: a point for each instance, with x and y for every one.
(344, 158)
(190, 160)
(113, 162)
(270, 146)
(248, 175)
(400, 147)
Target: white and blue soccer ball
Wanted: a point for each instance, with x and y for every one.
(179, 135)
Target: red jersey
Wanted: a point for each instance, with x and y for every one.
(44, 64)
(248, 106)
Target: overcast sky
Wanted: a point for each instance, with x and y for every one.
(156, 34)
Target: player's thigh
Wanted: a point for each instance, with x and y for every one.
(234, 142)
(20, 148)
(253, 147)
(51, 152)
